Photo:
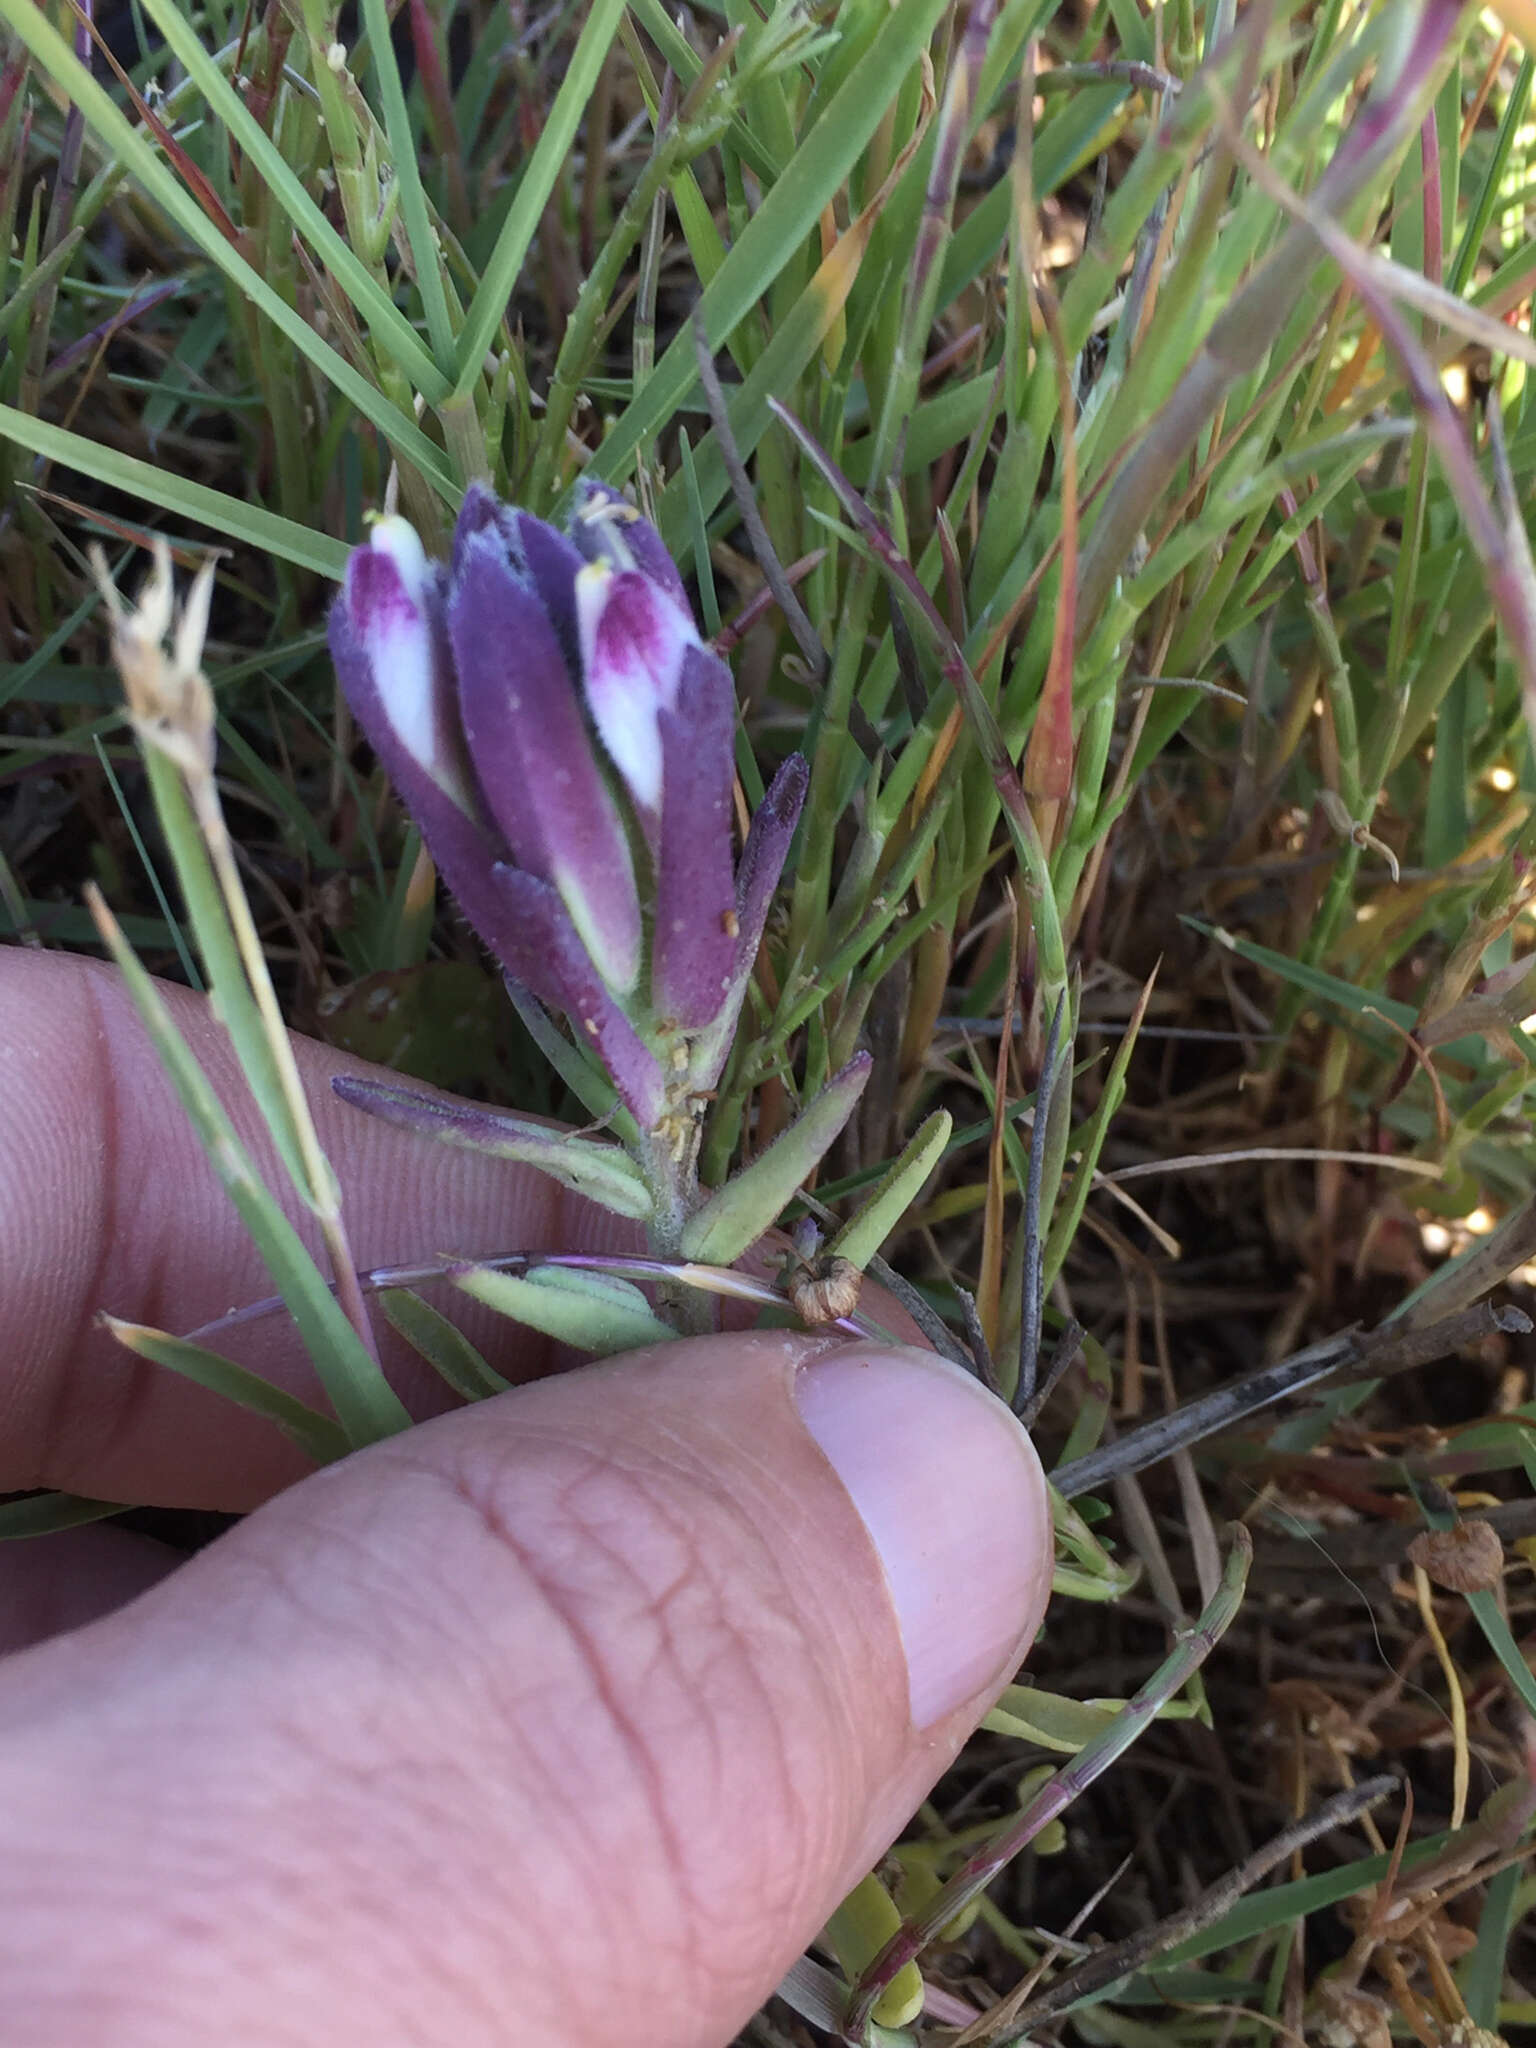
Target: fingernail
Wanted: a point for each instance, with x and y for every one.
(951, 1492)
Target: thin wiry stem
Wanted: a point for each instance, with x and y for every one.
(724, 1282)
(1032, 1305)
(1063, 1353)
(1057, 1794)
(1191, 1162)
(1352, 1353)
(1107, 1966)
(795, 616)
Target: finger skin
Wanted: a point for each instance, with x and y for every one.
(65, 1580)
(565, 1719)
(106, 1202)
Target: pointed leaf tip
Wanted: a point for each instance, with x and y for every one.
(738, 1214)
(893, 1194)
(769, 838)
(601, 1173)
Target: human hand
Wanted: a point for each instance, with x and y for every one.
(566, 1718)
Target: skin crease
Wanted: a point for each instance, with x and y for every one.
(564, 1718)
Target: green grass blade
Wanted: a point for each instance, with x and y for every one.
(489, 305)
(1501, 1641)
(46, 274)
(366, 1405)
(189, 968)
(413, 198)
(681, 57)
(21, 677)
(1266, 1912)
(797, 337)
(316, 1435)
(1482, 1972)
(1091, 1141)
(1311, 980)
(1470, 247)
(118, 137)
(252, 525)
(46, 1514)
(385, 321)
(780, 227)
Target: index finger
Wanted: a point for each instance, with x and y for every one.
(107, 1202)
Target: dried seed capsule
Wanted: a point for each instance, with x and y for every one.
(826, 1291)
(1466, 1559)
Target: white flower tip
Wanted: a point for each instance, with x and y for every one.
(396, 625)
(397, 538)
(592, 584)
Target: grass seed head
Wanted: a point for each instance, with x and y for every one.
(169, 698)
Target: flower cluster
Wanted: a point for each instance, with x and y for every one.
(565, 740)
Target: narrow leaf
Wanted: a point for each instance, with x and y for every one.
(893, 1194)
(1355, 1002)
(444, 1346)
(1482, 1972)
(120, 138)
(43, 276)
(1501, 1640)
(315, 1434)
(601, 1173)
(388, 325)
(739, 1213)
(1095, 1131)
(413, 198)
(588, 1310)
(1056, 1722)
(252, 526)
(45, 1514)
(789, 214)
(497, 281)
(366, 1405)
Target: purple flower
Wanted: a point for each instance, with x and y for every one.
(563, 737)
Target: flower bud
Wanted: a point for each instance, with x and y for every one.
(388, 640)
(498, 697)
(535, 761)
(633, 639)
(693, 950)
(606, 528)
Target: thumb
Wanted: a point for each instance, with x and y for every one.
(561, 1719)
